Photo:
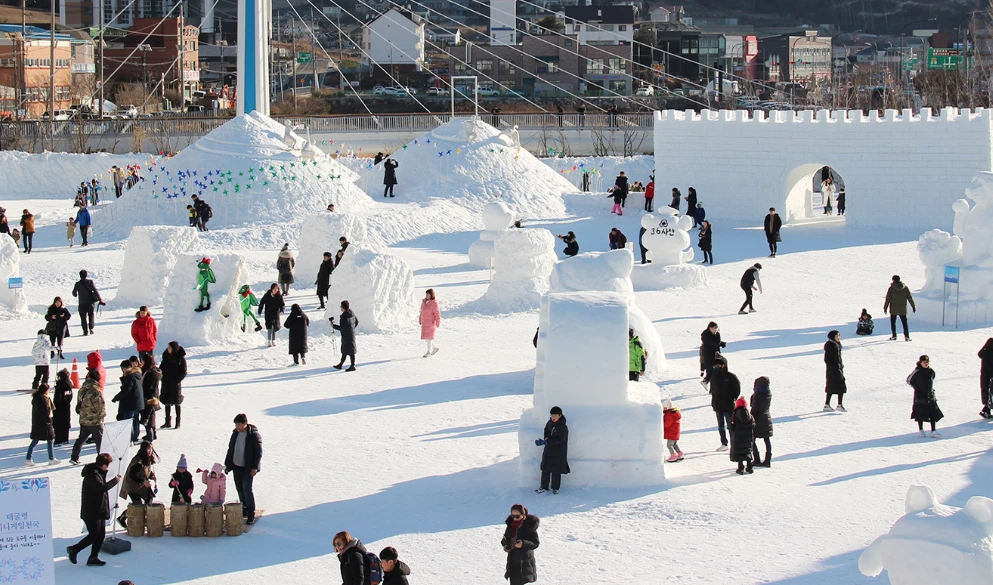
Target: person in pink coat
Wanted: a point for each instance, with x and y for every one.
(430, 320)
(217, 485)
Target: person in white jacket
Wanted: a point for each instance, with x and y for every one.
(41, 355)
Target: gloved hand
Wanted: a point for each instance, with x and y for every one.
(173, 483)
(724, 344)
(540, 442)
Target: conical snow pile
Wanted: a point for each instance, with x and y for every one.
(252, 170)
(470, 163)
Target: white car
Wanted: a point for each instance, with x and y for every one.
(437, 91)
(404, 91)
(60, 115)
(380, 90)
(487, 91)
(127, 111)
(645, 91)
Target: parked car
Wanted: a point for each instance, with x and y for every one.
(384, 91)
(487, 91)
(127, 111)
(402, 91)
(60, 115)
(437, 91)
(645, 91)
(515, 93)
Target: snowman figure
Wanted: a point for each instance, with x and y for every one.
(667, 237)
(497, 217)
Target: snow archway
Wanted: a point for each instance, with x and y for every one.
(799, 185)
(901, 169)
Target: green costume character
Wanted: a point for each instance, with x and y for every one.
(248, 301)
(205, 278)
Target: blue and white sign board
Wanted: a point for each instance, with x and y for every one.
(26, 548)
(13, 283)
(952, 274)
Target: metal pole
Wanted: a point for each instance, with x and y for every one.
(182, 62)
(944, 297)
(313, 55)
(51, 80)
(957, 287)
(101, 80)
(293, 64)
(341, 75)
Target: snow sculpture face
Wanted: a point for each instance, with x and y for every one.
(497, 216)
(934, 543)
(937, 248)
(667, 237)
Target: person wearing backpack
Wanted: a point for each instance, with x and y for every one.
(204, 213)
(395, 571)
(358, 566)
(87, 294)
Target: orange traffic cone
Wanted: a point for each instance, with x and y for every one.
(74, 375)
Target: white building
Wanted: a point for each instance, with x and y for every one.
(600, 25)
(503, 22)
(667, 14)
(395, 38)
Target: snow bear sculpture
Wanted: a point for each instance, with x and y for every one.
(934, 543)
(667, 238)
(497, 217)
(937, 248)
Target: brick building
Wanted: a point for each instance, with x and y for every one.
(25, 66)
(161, 58)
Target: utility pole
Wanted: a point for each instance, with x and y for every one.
(293, 57)
(341, 74)
(313, 52)
(51, 79)
(279, 59)
(182, 63)
(22, 55)
(101, 80)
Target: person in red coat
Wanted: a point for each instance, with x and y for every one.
(144, 332)
(429, 320)
(671, 424)
(94, 362)
(650, 196)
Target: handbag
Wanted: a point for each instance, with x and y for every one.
(779, 238)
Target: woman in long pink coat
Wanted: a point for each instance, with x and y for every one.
(430, 320)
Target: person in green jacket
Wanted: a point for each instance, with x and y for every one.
(636, 357)
(897, 298)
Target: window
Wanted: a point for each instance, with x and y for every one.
(710, 46)
(608, 27)
(62, 63)
(618, 86)
(63, 94)
(461, 68)
(549, 64)
(622, 28)
(507, 67)
(690, 46)
(484, 65)
(594, 67)
(575, 28)
(567, 43)
(8, 62)
(616, 66)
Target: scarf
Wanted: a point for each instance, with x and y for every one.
(515, 525)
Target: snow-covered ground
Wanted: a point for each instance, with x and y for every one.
(421, 454)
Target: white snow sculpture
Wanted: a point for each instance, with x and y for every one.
(611, 272)
(934, 543)
(937, 248)
(497, 217)
(615, 426)
(320, 233)
(522, 261)
(219, 325)
(514, 136)
(10, 267)
(379, 287)
(669, 247)
(149, 259)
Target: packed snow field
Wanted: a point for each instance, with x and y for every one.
(422, 454)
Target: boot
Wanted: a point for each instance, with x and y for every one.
(242, 327)
(767, 462)
(258, 327)
(168, 423)
(749, 468)
(179, 417)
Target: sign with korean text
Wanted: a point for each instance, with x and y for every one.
(15, 282)
(26, 551)
(952, 274)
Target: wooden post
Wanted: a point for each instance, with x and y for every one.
(232, 515)
(195, 521)
(178, 516)
(155, 519)
(136, 520)
(215, 520)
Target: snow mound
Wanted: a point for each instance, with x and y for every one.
(934, 543)
(582, 368)
(320, 233)
(56, 175)
(219, 325)
(497, 217)
(12, 300)
(470, 162)
(379, 288)
(149, 259)
(522, 262)
(251, 171)
(611, 272)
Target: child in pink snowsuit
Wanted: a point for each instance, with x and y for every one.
(216, 483)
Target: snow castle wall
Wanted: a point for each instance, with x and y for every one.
(149, 259)
(221, 324)
(922, 162)
(379, 288)
(320, 233)
(615, 426)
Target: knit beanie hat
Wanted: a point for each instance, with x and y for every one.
(667, 404)
(555, 410)
(741, 403)
(182, 462)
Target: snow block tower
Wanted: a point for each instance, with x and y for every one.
(522, 261)
(669, 249)
(149, 259)
(611, 272)
(379, 287)
(219, 325)
(497, 217)
(10, 267)
(933, 543)
(320, 234)
(615, 426)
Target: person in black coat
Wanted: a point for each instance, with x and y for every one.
(41, 424)
(395, 571)
(710, 349)
(151, 384)
(760, 403)
(297, 323)
(554, 457)
(389, 176)
(244, 458)
(724, 390)
(57, 325)
(130, 400)
(324, 278)
(87, 294)
(174, 370)
(985, 373)
(835, 375)
(676, 196)
(341, 251)
(272, 304)
(706, 242)
(181, 483)
(347, 326)
(62, 398)
(742, 437)
(691, 201)
(772, 225)
(379, 158)
(351, 556)
(571, 245)
(519, 541)
(750, 282)
(925, 404)
(94, 508)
